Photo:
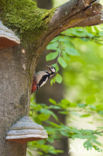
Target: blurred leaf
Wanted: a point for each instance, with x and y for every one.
(52, 45)
(51, 56)
(85, 115)
(52, 101)
(62, 62)
(58, 78)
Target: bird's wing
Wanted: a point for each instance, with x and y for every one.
(38, 76)
(43, 80)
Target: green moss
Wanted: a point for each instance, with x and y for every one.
(25, 17)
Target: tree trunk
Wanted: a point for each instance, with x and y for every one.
(13, 97)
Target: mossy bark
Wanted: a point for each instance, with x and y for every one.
(25, 18)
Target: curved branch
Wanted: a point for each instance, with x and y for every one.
(69, 9)
(72, 14)
(76, 13)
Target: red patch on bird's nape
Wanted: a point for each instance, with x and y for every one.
(34, 87)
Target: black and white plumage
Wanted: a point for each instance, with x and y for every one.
(41, 77)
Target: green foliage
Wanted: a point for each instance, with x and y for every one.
(85, 72)
(57, 78)
(51, 56)
(93, 33)
(63, 47)
(79, 51)
(41, 114)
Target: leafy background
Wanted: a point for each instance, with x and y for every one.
(79, 51)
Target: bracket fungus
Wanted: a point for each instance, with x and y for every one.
(26, 130)
(7, 37)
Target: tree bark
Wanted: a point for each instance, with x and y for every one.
(13, 97)
(17, 66)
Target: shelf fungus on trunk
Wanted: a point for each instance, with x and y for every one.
(7, 37)
(26, 130)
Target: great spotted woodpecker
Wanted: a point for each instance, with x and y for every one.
(41, 77)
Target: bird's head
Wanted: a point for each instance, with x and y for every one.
(51, 70)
